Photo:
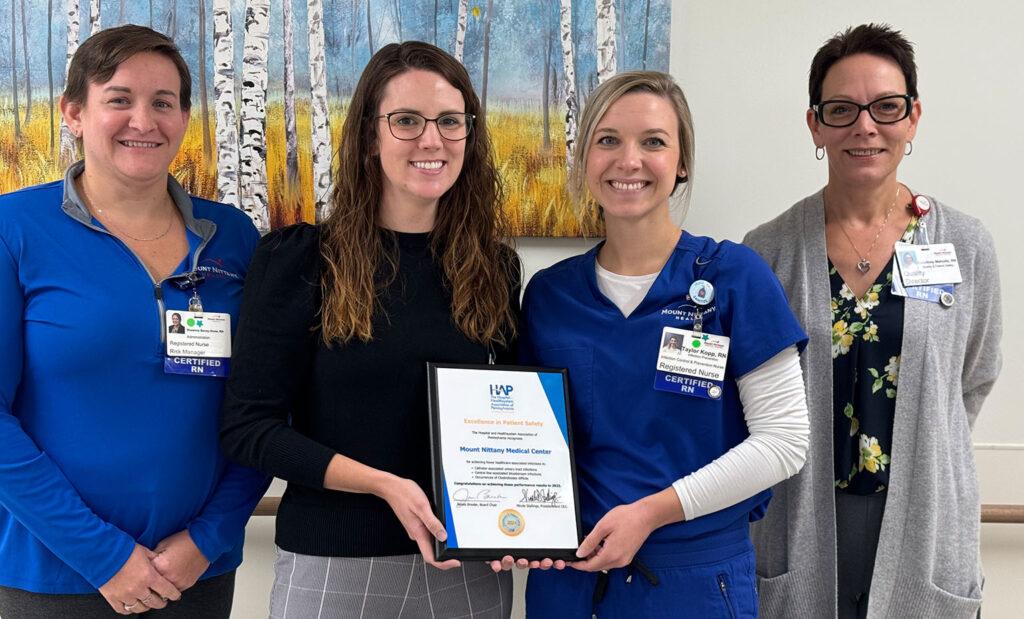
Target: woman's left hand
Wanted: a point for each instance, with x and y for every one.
(179, 560)
(617, 536)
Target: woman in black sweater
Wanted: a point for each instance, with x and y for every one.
(328, 381)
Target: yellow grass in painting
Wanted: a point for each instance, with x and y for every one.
(536, 201)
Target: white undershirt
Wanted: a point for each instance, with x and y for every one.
(625, 291)
(774, 409)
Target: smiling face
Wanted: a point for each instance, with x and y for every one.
(634, 157)
(132, 125)
(866, 151)
(418, 172)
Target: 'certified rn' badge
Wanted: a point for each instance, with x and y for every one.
(510, 522)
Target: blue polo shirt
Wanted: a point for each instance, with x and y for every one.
(99, 448)
(632, 440)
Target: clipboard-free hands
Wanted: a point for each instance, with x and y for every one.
(618, 535)
(404, 496)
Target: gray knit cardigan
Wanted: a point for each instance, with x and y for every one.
(928, 562)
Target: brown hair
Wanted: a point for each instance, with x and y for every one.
(468, 231)
(602, 98)
(98, 57)
(874, 39)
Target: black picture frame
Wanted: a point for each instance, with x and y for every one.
(442, 551)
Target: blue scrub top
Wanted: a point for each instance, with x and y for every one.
(632, 440)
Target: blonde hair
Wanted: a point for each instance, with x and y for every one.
(602, 98)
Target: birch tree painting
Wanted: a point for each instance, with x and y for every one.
(67, 139)
(262, 138)
(291, 133)
(14, 77)
(569, 69)
(460, 34)
(605, 39)
(95, 25)
(320, 121)
(224, 91)
(253, 152)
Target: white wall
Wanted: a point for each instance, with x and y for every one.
(743, 66)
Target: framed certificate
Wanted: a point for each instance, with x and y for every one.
(503, 467)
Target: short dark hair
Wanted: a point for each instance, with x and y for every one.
(876, 39)
(98, 57)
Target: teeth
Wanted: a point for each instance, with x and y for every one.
(865, 153)
(428, 165)
(135, 144)
(628, 186)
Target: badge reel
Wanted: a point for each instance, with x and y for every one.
(931, 270)
(692, 362)
(198, 343)
(921, 207)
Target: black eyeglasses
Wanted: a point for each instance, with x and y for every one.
(884, 111)
(410, 125)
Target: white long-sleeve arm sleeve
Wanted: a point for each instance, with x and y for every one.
(775, 410)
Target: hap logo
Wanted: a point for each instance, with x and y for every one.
(501, 390)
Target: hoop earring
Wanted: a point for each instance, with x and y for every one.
(909, 149)
(819, 153)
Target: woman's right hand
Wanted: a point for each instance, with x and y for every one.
(407, 500)
(137, 587)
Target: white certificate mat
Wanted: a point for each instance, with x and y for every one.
(504, 474)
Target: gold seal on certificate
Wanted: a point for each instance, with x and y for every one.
(504, 474)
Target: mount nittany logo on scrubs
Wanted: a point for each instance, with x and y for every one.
(687, 312)
(501, 399)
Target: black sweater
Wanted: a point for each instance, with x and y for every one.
(292, 403)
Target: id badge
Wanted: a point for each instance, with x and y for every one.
(691, 363)
(927, 265)
(198, 343)
(942, 293)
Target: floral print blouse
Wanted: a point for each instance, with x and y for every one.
(867, 335)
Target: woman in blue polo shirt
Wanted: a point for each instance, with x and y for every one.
(115, 498)
(676, 449)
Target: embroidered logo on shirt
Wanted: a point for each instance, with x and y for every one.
(211, 267)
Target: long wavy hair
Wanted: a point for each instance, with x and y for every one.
(469, 229)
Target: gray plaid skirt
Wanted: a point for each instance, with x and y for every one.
(397, 587)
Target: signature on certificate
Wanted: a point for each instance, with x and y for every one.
(482, 494)
(540, 496)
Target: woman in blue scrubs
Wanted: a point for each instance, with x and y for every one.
(675, 449)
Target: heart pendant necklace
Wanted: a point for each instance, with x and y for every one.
(865, 264)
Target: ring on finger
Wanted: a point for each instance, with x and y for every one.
(128, 607)
(145, 601)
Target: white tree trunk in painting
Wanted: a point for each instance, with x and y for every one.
(605, 35)
(320, 126)
(224, 111)
(14, 73)
(94, 17)
(67, 139)
(569, 69)
(253, 152)
(460, 32)
(28, 74)
(204, 111)
(291, 136)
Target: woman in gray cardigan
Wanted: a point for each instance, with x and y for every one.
(883, 520)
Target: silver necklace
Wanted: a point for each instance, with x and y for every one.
(121, 231)
(865, 265)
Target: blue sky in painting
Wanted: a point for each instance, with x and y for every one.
(519, 31)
